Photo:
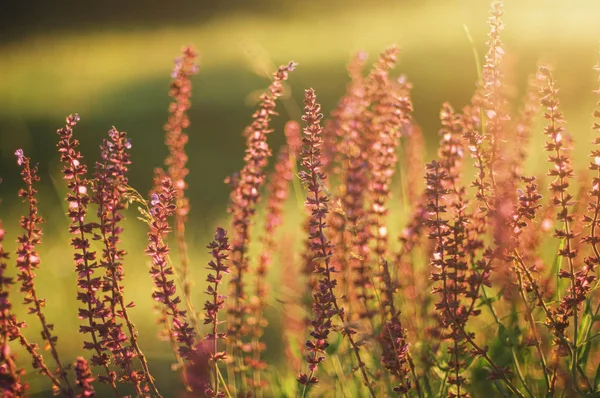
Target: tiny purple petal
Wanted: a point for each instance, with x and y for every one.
(20, 157)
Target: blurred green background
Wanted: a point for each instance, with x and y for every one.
(110, 62)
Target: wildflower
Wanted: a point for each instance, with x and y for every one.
(219, 249)
(176, 139)
(109, 191)
(494, 103)
(244, 197)
(392, 110)
(94, 310)
(562, 171)
(28, 260)
(10, 375)
(325, 305)
(165, 291)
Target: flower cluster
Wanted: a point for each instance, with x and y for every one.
(352, 234)
(162, 206)
(452, 281)
(586, 275)
(110, 188)
(28, 259)
(325, 304)
(494, 102)
(11, 384)
(395, 353)
(392, 110)
(363, 113)
(219, 249)
(244, 197)
(94, 311)
(176, 139)
(562, 172)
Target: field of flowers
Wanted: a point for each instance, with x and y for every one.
(352, 260)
